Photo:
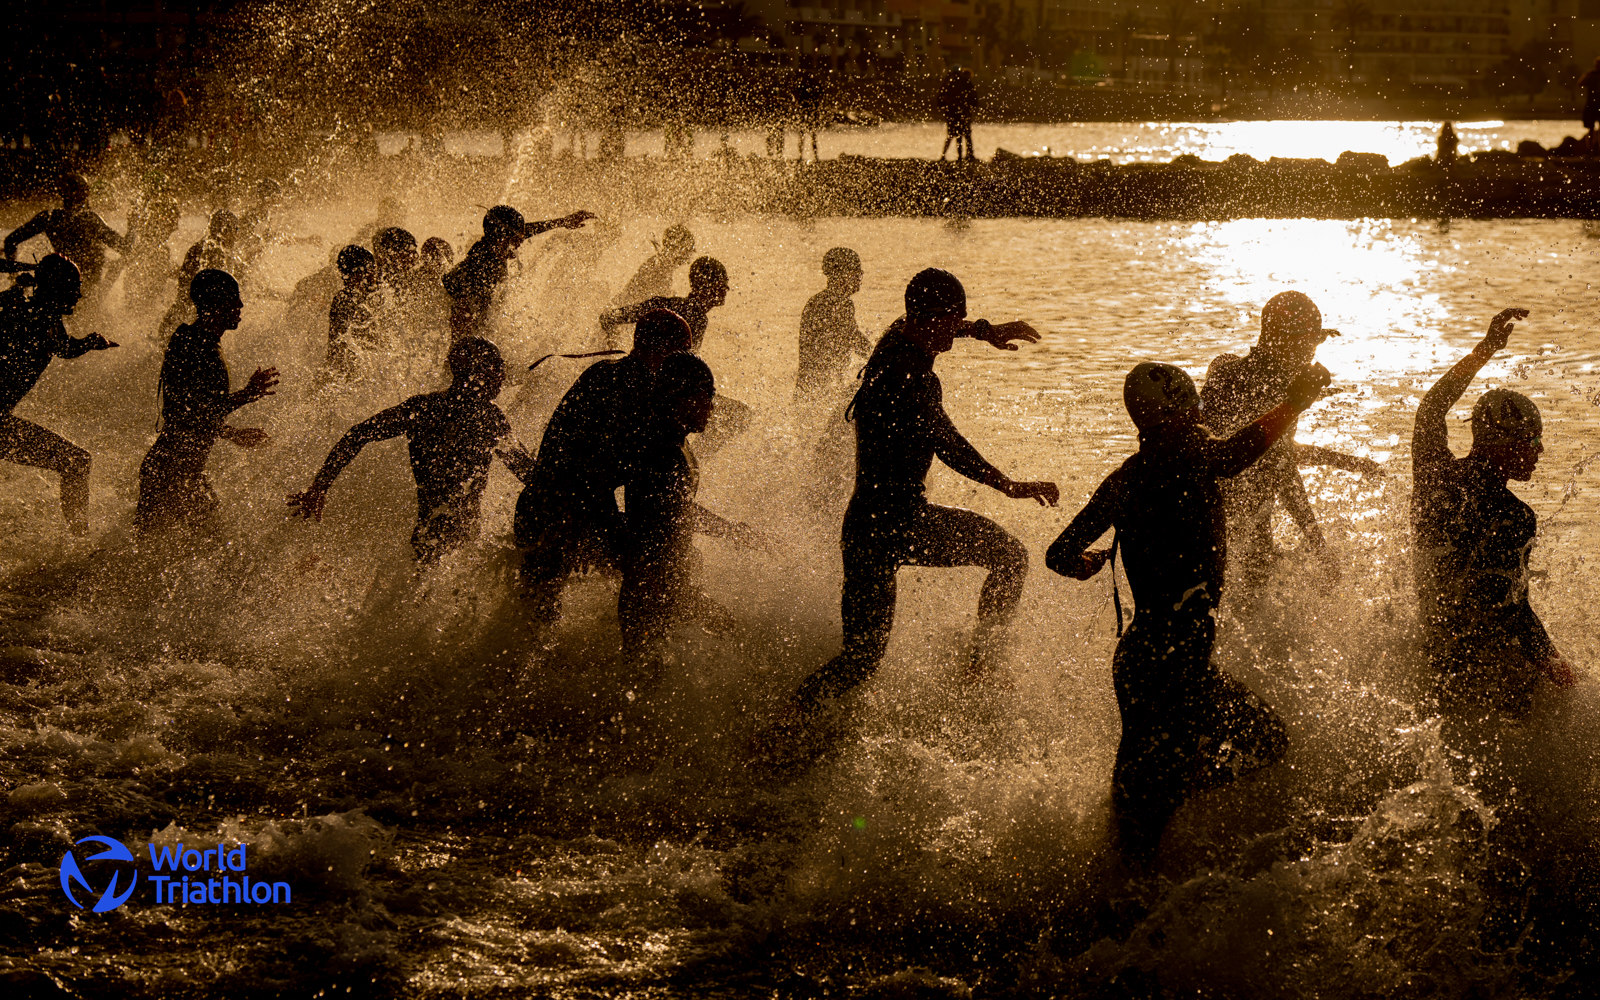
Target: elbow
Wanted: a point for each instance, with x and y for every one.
(1057, 560)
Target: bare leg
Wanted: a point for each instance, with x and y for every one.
(29, 444)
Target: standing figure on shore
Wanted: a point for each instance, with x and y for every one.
(567, 519)
(451, 438)
(31, 334)
(957, 104)
(808, 111)
(654, 277)
(1448, 144)
(1590, 85)
(75, 231)
(174, 493)
(472, 283)
(1179, 711)
(901, 425)
(1473, 537)
(1237, 391)
(829, 334)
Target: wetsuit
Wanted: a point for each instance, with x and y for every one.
(471, 285)
(829, 337)
(351, 329)
(1472, 538)
(567, 519)
(450, 439)
(901, 425)
(29, 339)
(660, 560)
(1166, 505)
(195, 404)
(78, 234)
(730, 417)
(652, 280)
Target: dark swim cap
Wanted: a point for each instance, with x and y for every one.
(677, 238)
(1502, 416)
(504, 220)
(683, 374)
(706, 272)
(474, 357)
(394, 240)
(353, 258)
(224, 225)
(660, 331)
(439, 247)
(935, 292)
(72, 187)
(841, 260)
(1155, 393)
(58, 275)
(1287, 310)
(214, 289)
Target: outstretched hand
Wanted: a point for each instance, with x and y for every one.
(261, 384)
(1047, 494)
(309, 503)
(576, 219)
(1500, 329)
(95, 342)
(1308, 386)
(1001, 335)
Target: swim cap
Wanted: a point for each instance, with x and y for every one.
(935, 292)
(224, 225)
(73, 188)
(353, 258)
(1290, 313)
(841, 260)
(677, 238)
(1155, 393)
(683, 374)
(439, 248)
(660, 331)
(57, 275)
(394, 240)
(214, 289)
(474, 357)
(707, 272)
(504, 220)
(1502, 416)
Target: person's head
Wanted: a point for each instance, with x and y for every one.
(357, 267)
(1157, 394)
(74, 190)
(224, 227)
(57, 284)
(685, 393)
(395, 250)
(438, 256)
(1508, 433)
(677, 243)
(216, 299)
(1291, 327)
(505, 228)
(476, 368)
(936, 303)
(842, 267)
(267, 190)
(660, 332)
(708, 281)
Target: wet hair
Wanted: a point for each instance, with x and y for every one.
(56, 274)
(224, 225)
(661, 330)
(212, 288)
(504, 220)
(935, 292)
(438, 246)
(841, 260)
(473, 357)
(1502, 416)
(354, 258)
(393, 240)
(1156, 393)
(1284, 311)
(681, 375)
(678, 238)
(73, 188)
(706, 272)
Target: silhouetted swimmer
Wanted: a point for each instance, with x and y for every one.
(31, 333)
(472, 283)
(1473, 537)
(75, 231)
(148, 267)
(174, 493)
(654, 277)
(217, 251)
(451, 437)
(438, 256)
(829, 334)
(567, 520)
(350, 316)
(1237, 391)
(660, 567)
(1166, 505)
(901, 425)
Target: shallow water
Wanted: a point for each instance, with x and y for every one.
(464, 811)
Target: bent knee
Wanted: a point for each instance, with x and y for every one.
(1009, 557)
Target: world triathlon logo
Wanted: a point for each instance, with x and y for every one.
(109, 877)
(124, 870)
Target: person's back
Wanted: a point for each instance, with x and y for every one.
(829, 334)
(584, 447)
(451, 440)
(1237, 391)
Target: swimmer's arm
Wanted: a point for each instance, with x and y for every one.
(25, 232)
(1069, 554)
(392, 422)
(519, 460)
(111, 238)
(1310, 454)
(613, 318)
(1292, 491)
(77, 347)
(999, 335)
(1233, 455)
(1430, 440)
(573, 221)
(714, 525)
(958, 453)
(1540, 649)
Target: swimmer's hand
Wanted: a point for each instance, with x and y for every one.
(576, 219)
(1560, 671)
(1307, 387)
(1001, 335)
(95, 342)
(245, 437)
(1500, 331)
(518, 459)
(261, 384)
(309, 504)
(1047, 494)
(1089, 563)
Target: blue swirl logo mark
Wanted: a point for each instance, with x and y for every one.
(71, 874)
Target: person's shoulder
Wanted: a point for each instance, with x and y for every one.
(1222, 365)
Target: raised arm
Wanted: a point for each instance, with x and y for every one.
(573, 221)
(379, 427)
(1069, 554)
(77, 347)
(1430, 440)
(25, 232)
(1233, 455)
